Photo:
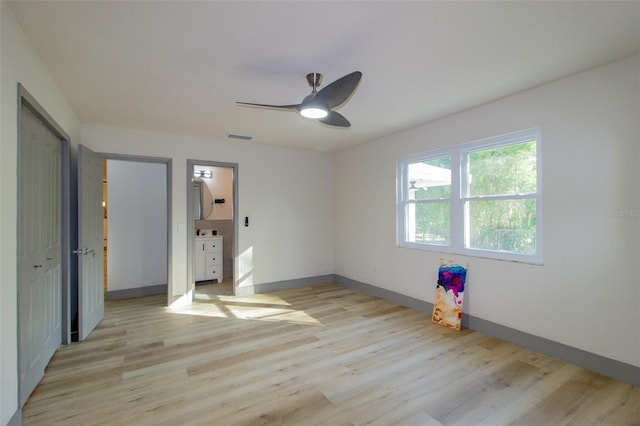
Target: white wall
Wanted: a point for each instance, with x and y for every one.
(18, 63)
(136, 224)
(586, 294)
(286, 193)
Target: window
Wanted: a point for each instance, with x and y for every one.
(482, 199)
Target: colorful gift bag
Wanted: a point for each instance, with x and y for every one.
(447, 307)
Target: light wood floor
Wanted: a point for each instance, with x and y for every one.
(317, 355)
(209, 290)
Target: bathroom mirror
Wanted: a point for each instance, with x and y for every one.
(202, 199)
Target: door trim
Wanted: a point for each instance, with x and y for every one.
(191, 283)
(169, 164)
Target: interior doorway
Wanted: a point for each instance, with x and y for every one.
(136, 211)
(212, 208)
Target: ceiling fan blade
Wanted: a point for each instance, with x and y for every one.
(335, 119)
(339, 91)
(292, 107)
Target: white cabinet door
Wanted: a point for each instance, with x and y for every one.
(200, 260)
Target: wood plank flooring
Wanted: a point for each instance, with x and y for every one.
(319, 355)
(208, 290)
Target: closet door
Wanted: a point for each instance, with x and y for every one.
(39, 249)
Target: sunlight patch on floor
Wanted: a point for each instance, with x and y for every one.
(271, 314)
(211, 310)
(256, 298)
(260, 307)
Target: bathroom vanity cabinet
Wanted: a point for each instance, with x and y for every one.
(208, 253)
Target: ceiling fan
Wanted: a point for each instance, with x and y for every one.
(320, 104)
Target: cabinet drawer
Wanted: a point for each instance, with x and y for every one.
(213, 247)
(214, 272)
(213, 259)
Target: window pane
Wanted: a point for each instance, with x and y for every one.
(509, 169)
(502, 225)
(428, 223)
(430, 179)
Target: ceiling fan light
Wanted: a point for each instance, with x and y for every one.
(314, 111)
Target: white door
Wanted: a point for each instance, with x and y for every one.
(90, 249)
(39, 248)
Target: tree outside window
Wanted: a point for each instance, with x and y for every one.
(481, 198)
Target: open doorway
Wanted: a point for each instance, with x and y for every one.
(212, 212)
(136, 226)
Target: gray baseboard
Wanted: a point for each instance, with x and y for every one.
(295, 283)
(609, 367)
(16, 420)
(130, 293)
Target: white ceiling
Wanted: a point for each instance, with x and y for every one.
(179, 66)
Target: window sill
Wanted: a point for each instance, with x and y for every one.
(481, 254)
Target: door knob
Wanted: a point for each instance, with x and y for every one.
(85, 251)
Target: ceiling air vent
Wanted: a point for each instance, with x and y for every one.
(239, 137)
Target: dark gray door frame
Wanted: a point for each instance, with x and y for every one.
(169, 163)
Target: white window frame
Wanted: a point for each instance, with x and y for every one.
(458, 219)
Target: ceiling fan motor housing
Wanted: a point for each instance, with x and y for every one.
(314, 79)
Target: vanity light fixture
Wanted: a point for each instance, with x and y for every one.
(203, 174)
